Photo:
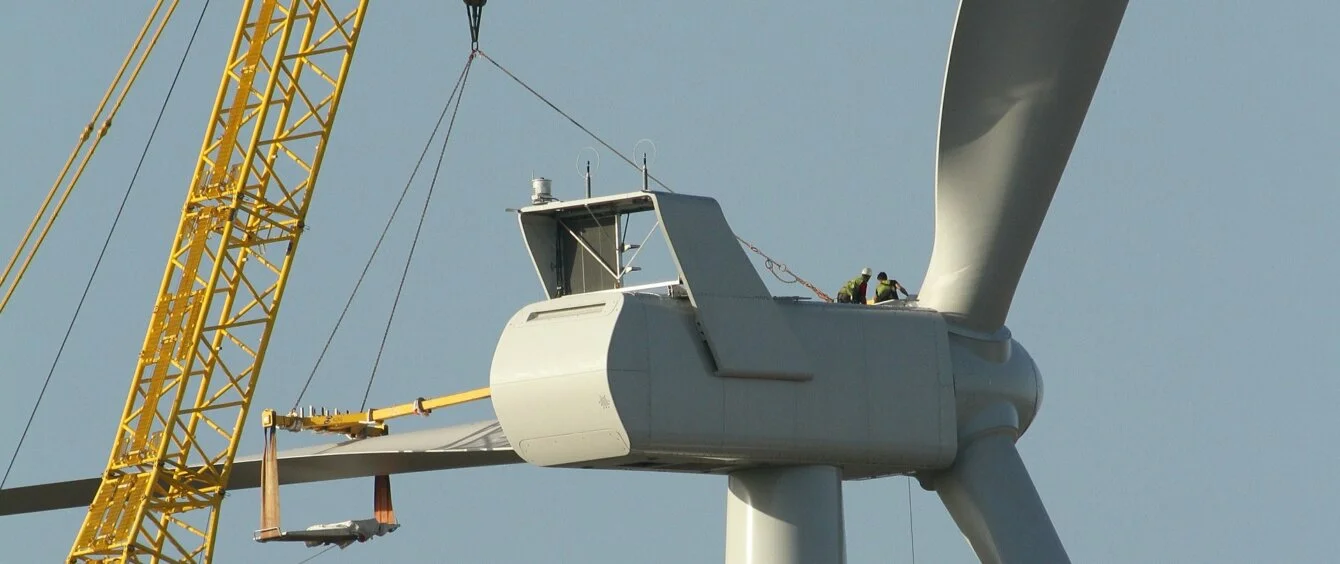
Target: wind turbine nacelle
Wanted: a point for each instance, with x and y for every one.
(629, 380)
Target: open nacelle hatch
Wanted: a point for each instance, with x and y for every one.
(577, 249)
(580, 246)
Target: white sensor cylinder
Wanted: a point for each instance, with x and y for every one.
(540, 191)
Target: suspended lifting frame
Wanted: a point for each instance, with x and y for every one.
(356, 425)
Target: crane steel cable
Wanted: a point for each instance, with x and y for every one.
(776, 268)
(83, 138)
(911, 533)
(423, 213)
(314, 556)
(377, 247)
(106, 241)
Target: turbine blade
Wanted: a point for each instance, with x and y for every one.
(992, 499)
(459, 446)
(1020, 78)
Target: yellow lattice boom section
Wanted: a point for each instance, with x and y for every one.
(160, 497)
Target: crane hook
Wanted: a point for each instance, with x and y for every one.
(474, 9)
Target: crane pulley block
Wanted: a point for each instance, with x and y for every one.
(474, 9)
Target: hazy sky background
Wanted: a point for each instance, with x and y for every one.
(1181, 299)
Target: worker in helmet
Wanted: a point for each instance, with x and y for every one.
(887, 289)
(853, 292)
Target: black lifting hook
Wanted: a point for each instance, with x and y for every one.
(474, 9)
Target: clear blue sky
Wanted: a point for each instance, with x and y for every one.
(1180, 301)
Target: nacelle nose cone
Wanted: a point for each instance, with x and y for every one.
(997, 384)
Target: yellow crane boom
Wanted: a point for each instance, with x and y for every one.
(160, 496)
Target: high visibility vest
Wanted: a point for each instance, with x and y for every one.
(885, 291)
(853, 287)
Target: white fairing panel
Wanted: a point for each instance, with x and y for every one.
(627, 380)
(747, 336)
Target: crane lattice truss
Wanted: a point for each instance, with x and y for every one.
(160, 497)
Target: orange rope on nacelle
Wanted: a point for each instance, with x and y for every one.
(775, 267)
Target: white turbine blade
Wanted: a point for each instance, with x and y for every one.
(459, 446)
(1020, 78)
(992, 499)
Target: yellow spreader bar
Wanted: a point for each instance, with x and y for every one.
(370, 423)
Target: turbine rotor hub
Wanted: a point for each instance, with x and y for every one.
(997, 385)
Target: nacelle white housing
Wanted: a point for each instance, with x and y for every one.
(613, 379)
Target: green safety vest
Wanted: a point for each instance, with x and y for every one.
(854, 286)
(885, 291)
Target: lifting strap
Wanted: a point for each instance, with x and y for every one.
(269, 487)
(382, 510)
